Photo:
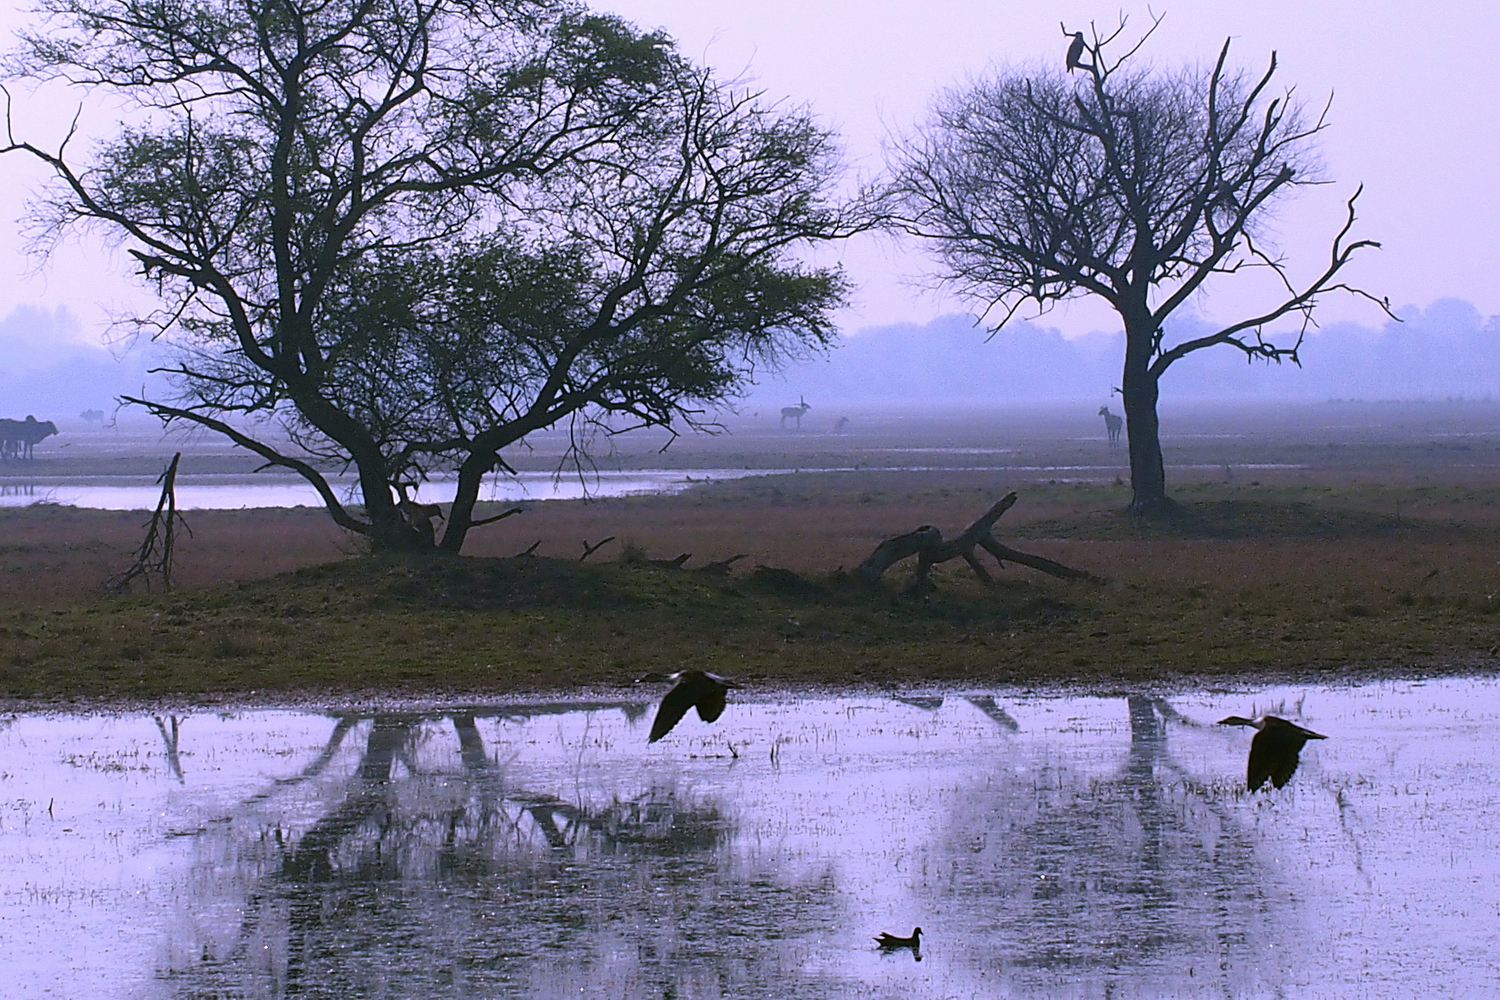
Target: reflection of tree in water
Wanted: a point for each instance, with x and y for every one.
(421, 871)
(1141, 873)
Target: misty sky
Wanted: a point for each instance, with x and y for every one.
(1414, 118)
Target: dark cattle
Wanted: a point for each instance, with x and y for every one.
(19, 437)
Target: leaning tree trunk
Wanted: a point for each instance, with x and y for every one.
(1148, 474)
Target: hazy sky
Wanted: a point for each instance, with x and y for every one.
(1414, 119)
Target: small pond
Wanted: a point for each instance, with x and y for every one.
(1048, 845)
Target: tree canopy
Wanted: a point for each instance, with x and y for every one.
(411, 232)
(1136, 184)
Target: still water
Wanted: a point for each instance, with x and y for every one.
(237, 492)
(1048, 846)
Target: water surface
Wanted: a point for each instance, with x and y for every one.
(1048, 846)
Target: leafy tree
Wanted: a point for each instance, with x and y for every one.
(411, 232)
(1131, 183)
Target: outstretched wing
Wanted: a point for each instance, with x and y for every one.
(1274, 755)
(673, 707)
(711, 700)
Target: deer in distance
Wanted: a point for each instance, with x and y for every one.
(1112, 425)
(794, 412)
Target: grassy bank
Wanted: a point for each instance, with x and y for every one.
(1277, 579)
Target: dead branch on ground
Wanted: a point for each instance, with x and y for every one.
(721, 567)
(589, 550)
(927, 544)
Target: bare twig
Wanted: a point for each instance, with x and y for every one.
(157, 549)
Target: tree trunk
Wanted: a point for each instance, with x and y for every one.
(390, 531)
(1148, 475)
(461, 515)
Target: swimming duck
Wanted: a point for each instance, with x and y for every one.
(693, 689)
(890, 942)
(1274, 749)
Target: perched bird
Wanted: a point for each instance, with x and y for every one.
(1075, 52)
(890, 942)
(693, 689)
(1274, 749)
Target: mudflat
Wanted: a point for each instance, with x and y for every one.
(1338, 540)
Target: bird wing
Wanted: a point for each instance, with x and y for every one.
(673, 707)
(1274, 756)
(711, 700)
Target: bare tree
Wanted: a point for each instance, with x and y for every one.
(1131, 183)
(412, 232)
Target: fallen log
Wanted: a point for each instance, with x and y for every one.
(927, 544)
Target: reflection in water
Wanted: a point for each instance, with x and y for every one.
(1047, 847)
(419, 879)
(1113, 879)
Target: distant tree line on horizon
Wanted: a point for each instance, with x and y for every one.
(1445, 351)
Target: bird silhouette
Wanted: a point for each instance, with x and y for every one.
(1274, 749)
(1075, 52)
(890, 942)
(693, 689)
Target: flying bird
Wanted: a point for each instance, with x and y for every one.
(1274, 749)
(1075, 52)
(890, 942)
(693, 689)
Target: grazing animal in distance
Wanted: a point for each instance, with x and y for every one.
(1113, 424)
(840, 424)
(692, 689)
(794, 412)
(1075, 52)
(19, 437)
(1274, 749)
(892, 942)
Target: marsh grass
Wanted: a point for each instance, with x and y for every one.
(1283, 578)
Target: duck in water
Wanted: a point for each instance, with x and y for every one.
(890, 942)
(1274, 750)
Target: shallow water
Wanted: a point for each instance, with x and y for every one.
(1048, 847)
(235, 493)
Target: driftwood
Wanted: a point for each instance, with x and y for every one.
(670, 563)
(927, 544)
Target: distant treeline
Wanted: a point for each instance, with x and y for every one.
(1444, 351)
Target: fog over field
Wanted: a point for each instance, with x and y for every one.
(1444, 351)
